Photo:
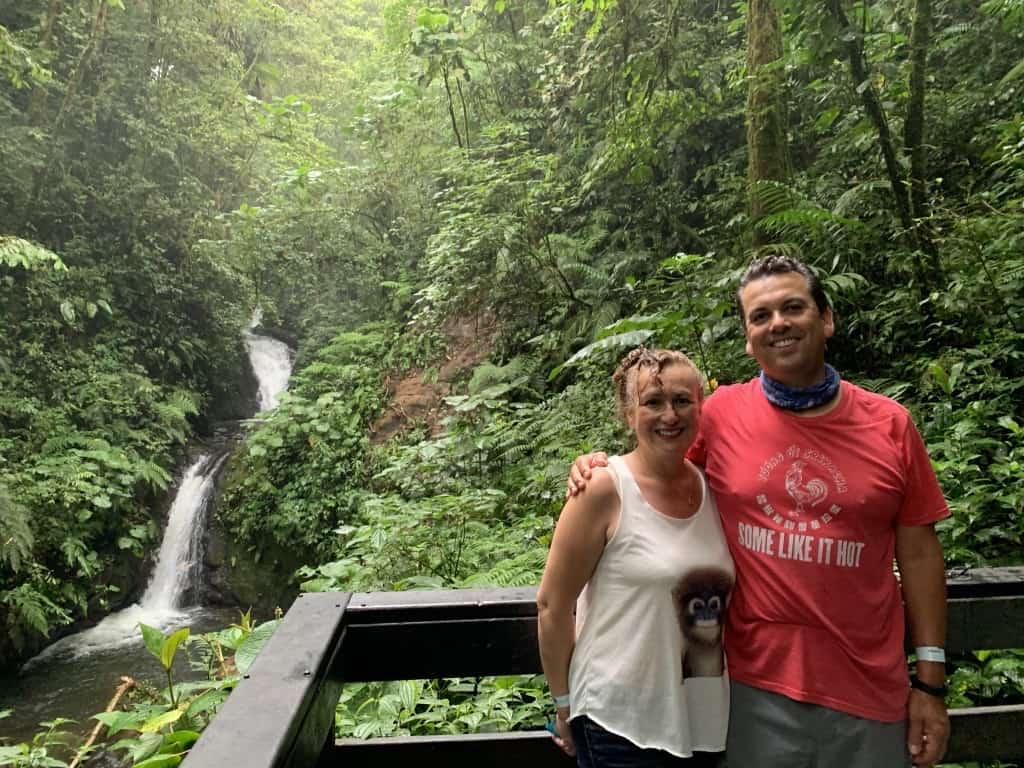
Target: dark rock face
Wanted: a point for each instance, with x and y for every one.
(216, 553)
(235, 577)
(235, 400)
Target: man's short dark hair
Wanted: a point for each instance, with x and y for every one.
(776, 264)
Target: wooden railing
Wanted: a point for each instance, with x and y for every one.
(281, 715)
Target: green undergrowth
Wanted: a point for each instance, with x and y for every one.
(153, 726)
(302, 467)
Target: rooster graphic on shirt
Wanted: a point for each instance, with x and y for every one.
(808, 494)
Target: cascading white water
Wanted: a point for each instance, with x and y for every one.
(179, 561)
(180, 558)
(271, 361)
(178, 564)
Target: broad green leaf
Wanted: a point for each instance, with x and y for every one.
(232, 637)
(180, 740)
(9, 755)
(432, 18)
(1007, 422)
(940, 376)
(954, 375)
(16, 252)
(156, 723)
(161, 761)
(250, 647)
(1016, 71)
(119, 721)
(153, 639)
(409, 693)
(205, 702)
(170, 646)
(826, 118)
(146, 745)
(68, 310)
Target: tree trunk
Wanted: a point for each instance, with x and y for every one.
(151, 62)
(74, 80)
(465, 112)
(914, 144)
(873, 107)
(37, 101)
(768, 157)
(909, 191)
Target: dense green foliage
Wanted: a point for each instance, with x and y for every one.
(132, 137)
(301, 471)
(566, 178)
(569, 193)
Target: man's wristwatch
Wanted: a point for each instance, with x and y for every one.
(932, 690)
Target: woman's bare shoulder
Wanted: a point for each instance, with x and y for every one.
(601, 488)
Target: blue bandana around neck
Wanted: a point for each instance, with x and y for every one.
(801, 398)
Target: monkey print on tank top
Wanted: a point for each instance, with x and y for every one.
(701, 599)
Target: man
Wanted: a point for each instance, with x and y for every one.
(820, 484)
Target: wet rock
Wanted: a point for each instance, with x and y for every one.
(104, 759)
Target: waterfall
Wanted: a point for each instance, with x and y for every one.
(174, 578)
(271, 361)
(179, 562)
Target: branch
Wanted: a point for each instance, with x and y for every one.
(127, 684)
(451, 109)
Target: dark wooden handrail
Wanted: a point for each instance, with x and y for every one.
(282, 714)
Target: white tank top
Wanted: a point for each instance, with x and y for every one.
(648, 662)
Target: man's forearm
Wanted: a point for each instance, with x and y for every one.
(923, 577)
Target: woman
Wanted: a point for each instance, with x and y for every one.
(638, 675)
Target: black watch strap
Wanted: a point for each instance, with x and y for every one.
(931, 690)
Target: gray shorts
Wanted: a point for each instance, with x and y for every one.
(768, 730)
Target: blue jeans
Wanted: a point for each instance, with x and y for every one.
(597, 748)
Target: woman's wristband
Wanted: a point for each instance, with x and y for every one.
(561, 702)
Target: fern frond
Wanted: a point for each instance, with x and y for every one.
(585, 271)
(850, 198)
(776, 196)
(519, 571)
(16, 538)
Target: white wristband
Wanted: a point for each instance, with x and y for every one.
(561, 702)
(930, 653)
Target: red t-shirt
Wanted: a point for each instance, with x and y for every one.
(810, 507)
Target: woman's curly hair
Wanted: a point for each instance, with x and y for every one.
(627, 374)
